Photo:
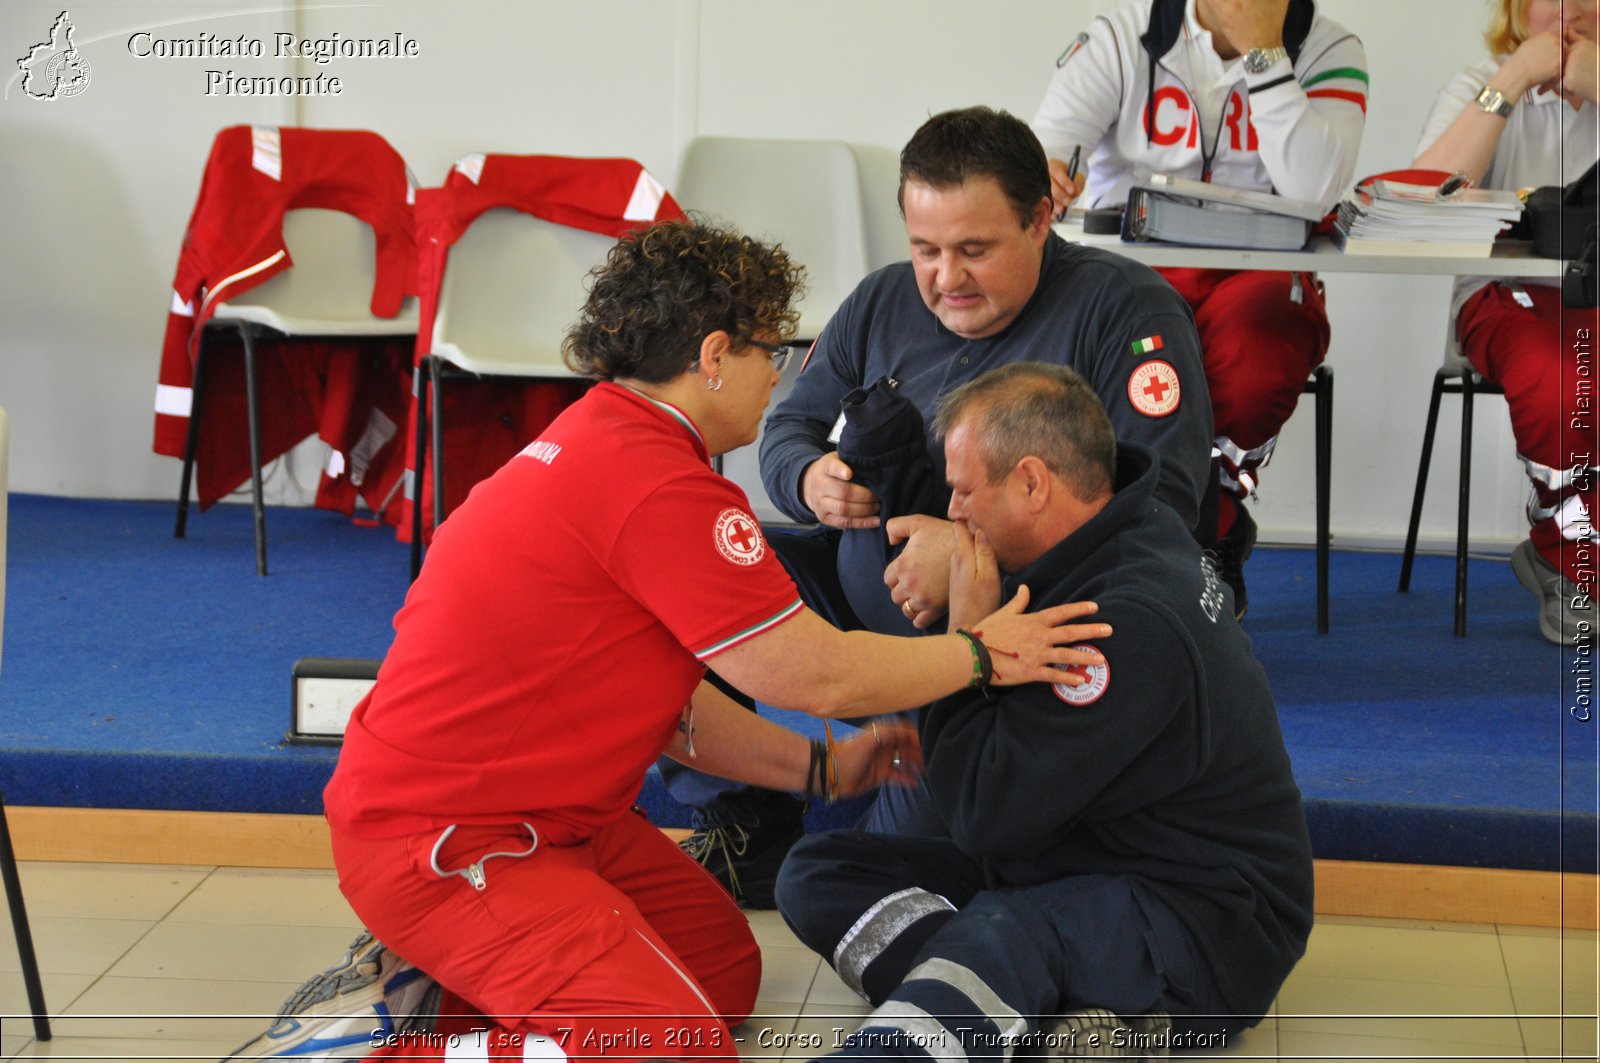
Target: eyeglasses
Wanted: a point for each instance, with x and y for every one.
(779, 353)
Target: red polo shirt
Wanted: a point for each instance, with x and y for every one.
(543, 657)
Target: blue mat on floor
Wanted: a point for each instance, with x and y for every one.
(141, 671)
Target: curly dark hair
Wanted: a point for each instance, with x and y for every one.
(664, 289)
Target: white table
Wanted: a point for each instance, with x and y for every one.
(1510, 258)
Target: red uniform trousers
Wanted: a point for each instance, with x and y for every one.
(1257, 344)
(1543, 357)
(622, 947)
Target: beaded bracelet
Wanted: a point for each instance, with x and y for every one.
(982, 663)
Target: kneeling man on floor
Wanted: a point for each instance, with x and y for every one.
(1125, 863)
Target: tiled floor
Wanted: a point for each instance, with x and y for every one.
(166, 963)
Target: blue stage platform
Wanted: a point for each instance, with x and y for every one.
(141, 671)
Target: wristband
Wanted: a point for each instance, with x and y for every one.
(982, 663)
(815, 769)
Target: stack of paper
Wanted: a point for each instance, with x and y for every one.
(1392, 218)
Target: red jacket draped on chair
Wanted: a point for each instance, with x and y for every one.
(234, 242)
(487, 426)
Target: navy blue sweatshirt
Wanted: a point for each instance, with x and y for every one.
(1176, 772)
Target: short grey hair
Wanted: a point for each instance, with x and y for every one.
(1047, 411)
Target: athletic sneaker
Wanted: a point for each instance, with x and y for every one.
(1566, 614)
(1098, 1033)
(348, 1010)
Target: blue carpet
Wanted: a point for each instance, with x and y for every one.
(146, 672)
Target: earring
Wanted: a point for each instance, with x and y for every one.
(714, 384)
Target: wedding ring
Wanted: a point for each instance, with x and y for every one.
(905, 607)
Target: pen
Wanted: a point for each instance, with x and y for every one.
(1072, 174)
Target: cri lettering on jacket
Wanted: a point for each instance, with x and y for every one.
(1176, 120)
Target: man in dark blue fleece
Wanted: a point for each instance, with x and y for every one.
(988, 283)
(1134, 844)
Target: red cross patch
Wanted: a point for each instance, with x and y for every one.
(1153, 388)
(738, 537)
(1098, 677)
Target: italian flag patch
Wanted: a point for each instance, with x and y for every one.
(1148, 345)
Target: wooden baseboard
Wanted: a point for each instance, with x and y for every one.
(145, 836)
(228, 839)
(1458, 894)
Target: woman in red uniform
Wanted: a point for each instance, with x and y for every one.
(554, 645)
(1521, 119)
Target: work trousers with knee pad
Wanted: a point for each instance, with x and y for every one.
(1261, 334)
(1542, 355)
(961, 971)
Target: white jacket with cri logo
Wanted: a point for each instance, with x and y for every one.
(1294, 129)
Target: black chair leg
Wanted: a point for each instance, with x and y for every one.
(1409, 557)
(436, 375)
(1324, 402)
(419, 455)
(191, 443)
(1463, 505)
(19, 926)
(247, 334)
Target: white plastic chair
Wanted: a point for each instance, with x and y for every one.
(8, 856)
(512, 287)
(326, 294)
(804, 194)
(880, 205)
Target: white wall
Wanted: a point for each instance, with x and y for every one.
(95, 190)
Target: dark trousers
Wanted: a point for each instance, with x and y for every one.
(912, 925)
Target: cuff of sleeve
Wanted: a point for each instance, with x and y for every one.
(1279, 73)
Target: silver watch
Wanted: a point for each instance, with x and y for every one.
(1259, 60)
(1492, 101)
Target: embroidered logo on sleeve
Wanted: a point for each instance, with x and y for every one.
(1148, 345)
(738, 537)
(1097, 676)
(1153, 388)
(809, 352)
(1072, 49)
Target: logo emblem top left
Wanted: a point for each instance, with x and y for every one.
(54, 69)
